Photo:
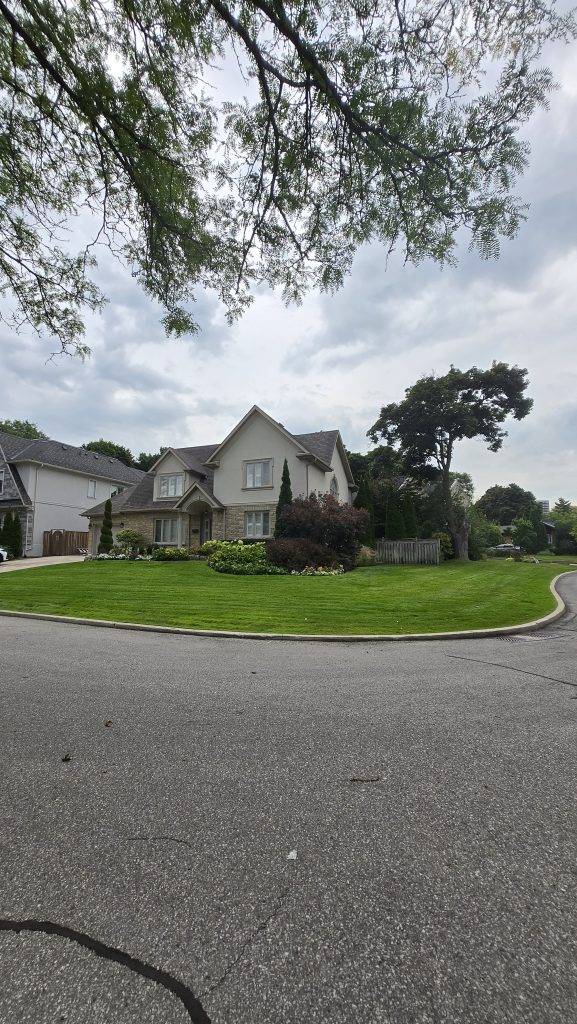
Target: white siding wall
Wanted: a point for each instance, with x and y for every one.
(59, 497)
(257, 439)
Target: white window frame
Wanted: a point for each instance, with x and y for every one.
(171, 485)
(91, 489)
(1, 481)
(166, 527)
(253, 479)
(254, 524)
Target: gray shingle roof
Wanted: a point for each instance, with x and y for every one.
(67, 456)
(320, 443)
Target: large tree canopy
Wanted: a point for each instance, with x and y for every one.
(367, 119)
(21, 428)
(437, 412)
(112, 449)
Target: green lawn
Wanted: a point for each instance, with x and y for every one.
(379, 599)
(548, 558)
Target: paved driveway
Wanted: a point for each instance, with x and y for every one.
(275, 833)
(37, 563)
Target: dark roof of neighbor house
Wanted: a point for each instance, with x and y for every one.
(320, 444)
(67, 456)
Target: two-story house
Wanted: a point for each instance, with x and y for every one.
(228, 491)
(49, 483)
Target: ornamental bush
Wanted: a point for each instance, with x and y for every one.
(170, 555)
(322, 519)
(297, 553)
(209, 546)
(240, 559)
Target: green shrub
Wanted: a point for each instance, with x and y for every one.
(297, 553)
(105, 542)
(210, 546)
(240, 559)
(130, 542)
(447, 550)
(170, 555)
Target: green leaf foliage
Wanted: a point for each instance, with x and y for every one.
(285, 498)
(105, 542)
(399, 123)
(111, 449)
(21, 428)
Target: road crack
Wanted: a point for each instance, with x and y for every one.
(191, 1003)
(511, 668)
(250, 940)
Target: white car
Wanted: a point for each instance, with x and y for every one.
(3, 555)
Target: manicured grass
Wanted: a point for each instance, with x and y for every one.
(548, 558)
(379, 599)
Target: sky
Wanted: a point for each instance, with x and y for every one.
(335, 360)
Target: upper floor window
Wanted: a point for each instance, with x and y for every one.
(258, 474)
(92, 488)
(171, 485)
(334, 487)
(1, 481)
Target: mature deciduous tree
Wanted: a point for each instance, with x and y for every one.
(21, 428)
(439, 411)
(147, 459)
(110, 448)
(502, 504)
(362, 120)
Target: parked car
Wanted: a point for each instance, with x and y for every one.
(3, 555)
(504, 550)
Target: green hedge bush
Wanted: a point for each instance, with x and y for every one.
(170, 554)
(242, 560)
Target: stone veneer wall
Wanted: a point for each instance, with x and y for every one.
(235, 519)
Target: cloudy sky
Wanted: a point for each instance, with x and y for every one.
(336, 360)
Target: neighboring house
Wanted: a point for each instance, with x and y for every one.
(228, 491)
(507, 531)
(49, 483)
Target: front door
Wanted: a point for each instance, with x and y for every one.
(205, 527)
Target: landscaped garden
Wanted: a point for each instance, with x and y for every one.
(376, 599)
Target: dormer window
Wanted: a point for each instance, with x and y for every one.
(258, 474)
(171, 485)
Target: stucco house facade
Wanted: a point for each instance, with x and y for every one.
(228, 490)
(49, 483)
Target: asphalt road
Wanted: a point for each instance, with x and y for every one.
(152, 878)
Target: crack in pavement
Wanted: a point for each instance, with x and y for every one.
(157, 839)
(511, 668)
(262, 927)
(192, 1004)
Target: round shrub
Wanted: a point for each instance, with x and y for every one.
(170, 555)
(243, 560)
(297, 553)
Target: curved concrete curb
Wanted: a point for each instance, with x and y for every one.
(464, 634)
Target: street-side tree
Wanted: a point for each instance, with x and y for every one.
(106, 541)
(502, 504)
(364, 500)
(16, 538)
(21, 428)
(398, 122)
(285, 498)
(147, 459)
(437, 412)
(524, 536)
(111, 449)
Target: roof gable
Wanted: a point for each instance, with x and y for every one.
(254, 411)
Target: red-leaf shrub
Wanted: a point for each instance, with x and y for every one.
(322, 519)
(299, 553)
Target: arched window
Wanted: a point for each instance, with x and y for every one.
(334, 487)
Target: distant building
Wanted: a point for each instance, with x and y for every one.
(543, 504)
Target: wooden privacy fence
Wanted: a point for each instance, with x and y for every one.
(64, 542)
(408, 552)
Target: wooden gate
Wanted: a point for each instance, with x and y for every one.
(64, 542)
(408, 552)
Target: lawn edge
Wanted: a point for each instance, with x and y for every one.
(462, 634)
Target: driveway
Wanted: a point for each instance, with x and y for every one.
(275, 833)
(37, 563)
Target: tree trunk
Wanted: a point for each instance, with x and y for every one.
(461, 541)
(459, 531)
